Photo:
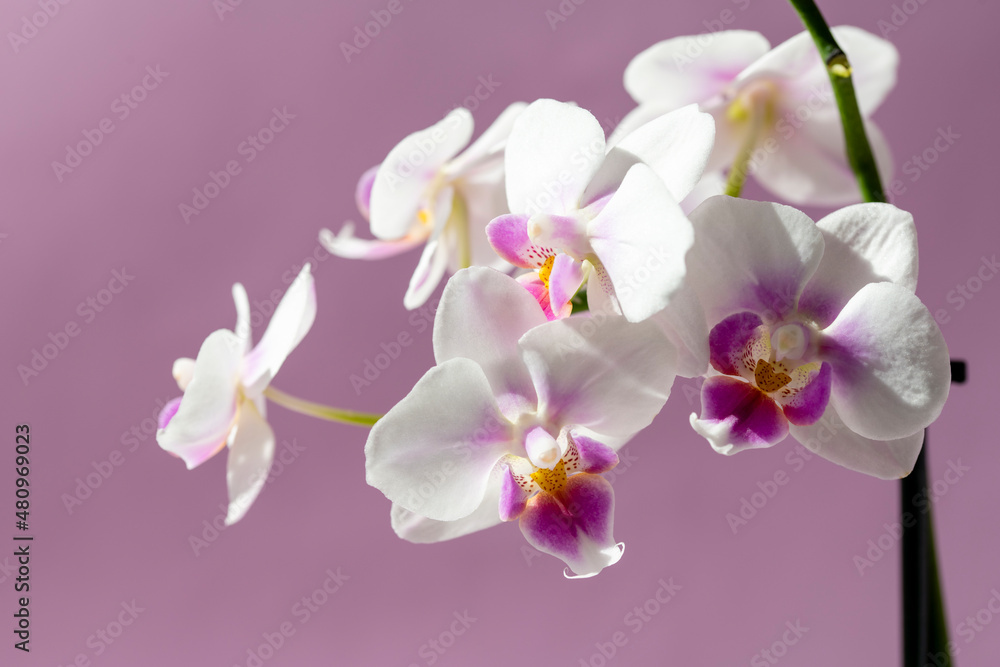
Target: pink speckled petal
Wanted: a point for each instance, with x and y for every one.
(735, 416)
(577, 527)
(508, 234)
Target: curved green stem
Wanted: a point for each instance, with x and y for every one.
(859, 151)
(320, 411)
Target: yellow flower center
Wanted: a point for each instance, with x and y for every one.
(545, 270)
(551, 481)
(767, 379)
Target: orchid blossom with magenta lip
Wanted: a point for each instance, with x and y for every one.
(583, 212)
(517, 420)
(426, 192)
(816, 321)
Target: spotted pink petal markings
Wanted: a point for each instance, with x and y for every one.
(508, 234)
(762, 388)
(565, 509)
(517, 421)
(815, 324)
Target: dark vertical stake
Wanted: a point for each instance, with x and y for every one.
(916, 593)
(925, 630)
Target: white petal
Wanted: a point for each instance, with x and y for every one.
(636, 118)
(410, 168)
(489, 145)
(676, 146)
(434, 452)
(601, 299)
(485, 198)
(891, 371)
(441, 211)
(882, 152)
(553, 151)
(183, 371)
(797, 65)
(692, 68)
(641, 238)
(421, 530)
(426, 277)
(796, 57)
(712, 183)
(602, 372)
(683, 323)
(242, 302)
(482, 315)
(808, 165)
(250, 457)
(345, 244)
(864, 243)
(205, 416)
(885, 459)
(290, 323)
(751, 256)
(730, 137)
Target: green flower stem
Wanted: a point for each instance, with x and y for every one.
(320, 411)
(859, 151)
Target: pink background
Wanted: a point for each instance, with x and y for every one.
(129, 540)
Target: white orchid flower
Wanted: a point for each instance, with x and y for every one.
(427, 193)
(223, 401)
(816, 333)
(582, 212)
(774, 108)
(517, 420)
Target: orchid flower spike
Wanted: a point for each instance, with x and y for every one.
(775, 112)
(816, 332)
(517, 421)
(425, 192)
(580, 212)
(223, 401)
